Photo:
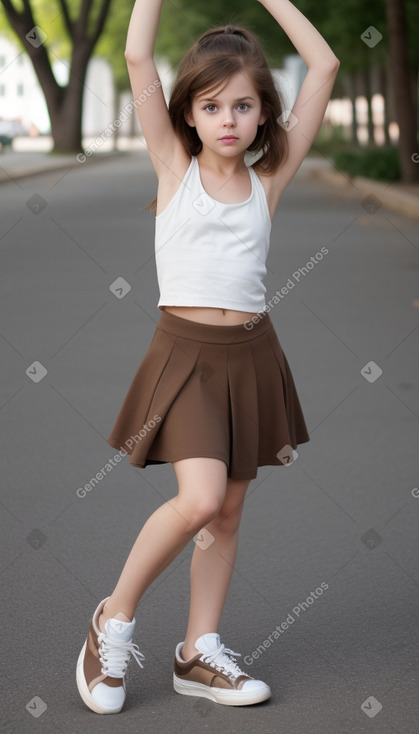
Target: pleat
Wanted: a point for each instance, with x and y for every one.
(244, 409)
(296, 432)
(197, 422)
(206, 391)
(164, 370)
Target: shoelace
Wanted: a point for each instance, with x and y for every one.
(220, 659)
(115, 655)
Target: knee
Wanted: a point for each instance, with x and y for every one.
(227, 520)
(202, 511)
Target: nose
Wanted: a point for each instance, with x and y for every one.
(229, 118)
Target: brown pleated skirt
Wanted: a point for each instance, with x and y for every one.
(225, 392)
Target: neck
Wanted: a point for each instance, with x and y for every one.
(224, 165)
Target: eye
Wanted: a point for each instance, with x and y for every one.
(243, 104)
(209, 105)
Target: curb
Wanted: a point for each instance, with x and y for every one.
(388, 194)
(50, 166)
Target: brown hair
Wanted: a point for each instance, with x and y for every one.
(214, 58)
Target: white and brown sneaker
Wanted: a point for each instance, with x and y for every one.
(214, 674)
(103, 661)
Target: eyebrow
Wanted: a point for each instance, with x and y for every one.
(214, 99)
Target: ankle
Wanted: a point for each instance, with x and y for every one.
(108, 613)
(188, 651)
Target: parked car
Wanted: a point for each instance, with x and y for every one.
(9, 129)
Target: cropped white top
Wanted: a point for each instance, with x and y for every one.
(212, 254)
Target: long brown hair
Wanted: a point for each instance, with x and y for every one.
(214, 58)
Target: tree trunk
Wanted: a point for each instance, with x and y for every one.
(66, 118)
(382, 77)
(404, 97)
(349, 83)
(65, 104)
(354, 122)
(370, 121)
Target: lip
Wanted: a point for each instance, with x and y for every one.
(229, 137)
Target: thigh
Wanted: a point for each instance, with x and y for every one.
(201, 481)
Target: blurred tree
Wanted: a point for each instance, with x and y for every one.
(394, 59)
(74, 33)
(178, 29)
(82, 24)
(111, 46)
(404, 75)
(343, 24)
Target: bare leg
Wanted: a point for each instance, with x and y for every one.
(202, 486)
(211, 569)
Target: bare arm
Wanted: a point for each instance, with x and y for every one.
(309, 43)
(309, 108)
(151, 106)
(142, 29)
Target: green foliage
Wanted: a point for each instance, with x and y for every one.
(181, 24)
(111, 44)
(381, 164)
(182, 21)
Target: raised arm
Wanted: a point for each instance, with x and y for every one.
(142, 30)
(310, 106)
(149, 100)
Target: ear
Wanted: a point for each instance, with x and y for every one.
(189, 117)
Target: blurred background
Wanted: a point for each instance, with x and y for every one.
(63, 85)
(78, 311)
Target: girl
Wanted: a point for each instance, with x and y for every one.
(214, 394)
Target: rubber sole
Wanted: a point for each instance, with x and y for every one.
(84, 690)
(219, 695)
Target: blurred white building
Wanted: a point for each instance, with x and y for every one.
(21, 97)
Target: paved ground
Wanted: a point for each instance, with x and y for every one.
(31, 156)
(329, 543)
(15, 165)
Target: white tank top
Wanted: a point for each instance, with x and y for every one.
(212, 254)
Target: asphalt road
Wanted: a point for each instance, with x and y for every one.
(328, 553)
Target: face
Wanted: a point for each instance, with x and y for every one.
(235, 111)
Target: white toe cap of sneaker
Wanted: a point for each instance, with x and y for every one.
(255, 686)
(108, 697)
